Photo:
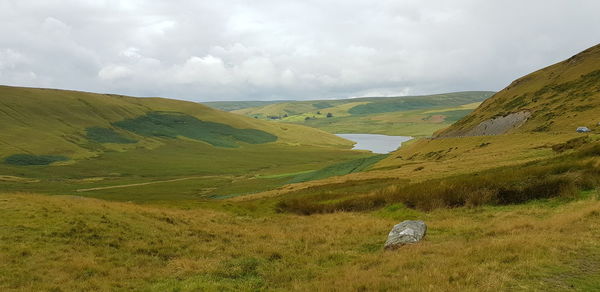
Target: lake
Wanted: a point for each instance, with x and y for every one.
(375, 143)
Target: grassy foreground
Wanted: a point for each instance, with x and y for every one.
(64, 243)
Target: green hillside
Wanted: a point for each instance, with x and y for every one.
(68, 141)
(236, 105)
(405, 115)
(556, 99)
(79, 124)
(493, 152)
(535, 117)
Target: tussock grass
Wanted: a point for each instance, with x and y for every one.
(342, 168)
(63, 243)
(558, 177)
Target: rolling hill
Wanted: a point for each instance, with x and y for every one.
(69, 141)
(403, 116)
(80, 124)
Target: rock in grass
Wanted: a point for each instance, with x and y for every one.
(407, 232)
(583, 130)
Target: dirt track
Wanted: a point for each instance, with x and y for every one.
(140, 184)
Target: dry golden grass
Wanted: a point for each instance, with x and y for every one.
(426, 159)
(70, 243)
(505, 251)
(560, 98)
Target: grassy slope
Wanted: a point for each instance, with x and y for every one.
(209, 171)
(560, 97)
(367, 105)
(70, 243)
(569, 100)
(402, 123)
(57, 120)
(409, 115)
(236, 105)
(571, 106)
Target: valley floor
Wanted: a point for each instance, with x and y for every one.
(136, 194)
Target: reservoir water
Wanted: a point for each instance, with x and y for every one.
(375, 143)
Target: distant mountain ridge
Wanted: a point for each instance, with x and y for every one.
(399, 102)
(400, 115)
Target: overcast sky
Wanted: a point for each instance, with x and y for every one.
(276, 49)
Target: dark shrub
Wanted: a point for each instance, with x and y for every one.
(173, 125)
(106, 135)
(28, 159)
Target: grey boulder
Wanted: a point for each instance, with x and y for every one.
(407, 232)
(583, 130)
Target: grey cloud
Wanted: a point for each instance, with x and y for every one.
(225, 50)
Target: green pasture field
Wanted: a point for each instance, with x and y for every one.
(205, 171)
(402, 116)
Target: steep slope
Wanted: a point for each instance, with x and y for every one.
(556, 99)
(533, 119)
(81, 124)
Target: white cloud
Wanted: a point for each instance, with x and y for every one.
(56, 27)
(258, 71)
(14, 68)
(9, 59)
(132, 53)
(265, 49)
(112, 72)
(205, 70)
